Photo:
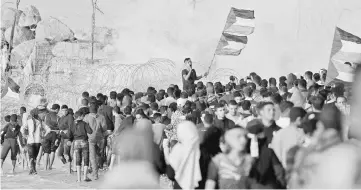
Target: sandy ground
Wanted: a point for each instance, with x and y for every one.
(58, 178)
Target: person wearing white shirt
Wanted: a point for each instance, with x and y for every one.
(170, 99)
(35, 128)
(284, 120)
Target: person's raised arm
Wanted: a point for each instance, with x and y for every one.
(186, 76)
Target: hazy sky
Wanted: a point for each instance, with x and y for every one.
(290, 35)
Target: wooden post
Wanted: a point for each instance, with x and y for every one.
(93, 29)
(12, 36)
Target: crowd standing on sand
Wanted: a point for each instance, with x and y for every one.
(249, 133)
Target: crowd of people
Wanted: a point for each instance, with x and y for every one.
(248, 133)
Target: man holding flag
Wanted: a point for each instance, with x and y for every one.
(189, 76)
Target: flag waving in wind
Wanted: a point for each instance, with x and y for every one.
(240, 24)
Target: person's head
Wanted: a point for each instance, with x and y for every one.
(272, 82)
(302, 84)
(187, 133)
(128, 110)
(84, 102)
(252, 75)
(341, 101)
(309, 123)
(78, 116)
(163, 109)
(237, 96)
(173, 107)
(248, 92)
(282, 79)
(139, 114)
(317, 103)
(235, 140)
(85, 94)
(99, 95)
(22, 110)
(64, 110)
(170, 92)
(285, 108)
(113, 95)
(266, 111)
(55, 108)
(246, 105)
(177, 94)
(296, 115)
(93, 109)
(13, 118)
(264, 83)
(291, 78)
(7, 118)
(308, 75)
(207, 120)
(71, 111)
(232, 108)
(316, 77)
(102, 99)
(220, 111)
(157, 117)
(159, 96)
(188, 62)
(116, 110)
(276, 98)
(154, 106)
(151, 98)
(257, 80)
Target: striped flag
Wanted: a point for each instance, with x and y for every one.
(240, 24)
(345, 53)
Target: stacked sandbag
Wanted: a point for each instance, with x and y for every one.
(22, 52)
(8, 16)
(54, 30)
(21, 34)
(29, 17)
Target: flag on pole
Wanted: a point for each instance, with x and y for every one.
(240, 23)
(346, 48)
(345, 55)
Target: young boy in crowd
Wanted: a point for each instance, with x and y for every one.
(10, 133)
(79, 134)
(158, 129)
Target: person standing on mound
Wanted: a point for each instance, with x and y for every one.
(189, 76)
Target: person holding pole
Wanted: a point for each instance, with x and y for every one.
(189, 76)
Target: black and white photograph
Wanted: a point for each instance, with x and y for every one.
(180, 94)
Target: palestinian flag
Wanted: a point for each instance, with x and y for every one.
(240, 23)
(231, 44)
(345, 53)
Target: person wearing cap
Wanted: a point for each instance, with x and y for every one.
(10, 133)
(78, 133)
(290, 136)
(97, 139)
(65, 122)
(221, 121)
(189, 75)
(52, 140)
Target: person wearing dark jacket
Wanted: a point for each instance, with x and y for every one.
(78, 134)
(51, 140)
(221, 121)
(107, 112)
(10, 133)
(267, 170)
(65, 121)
